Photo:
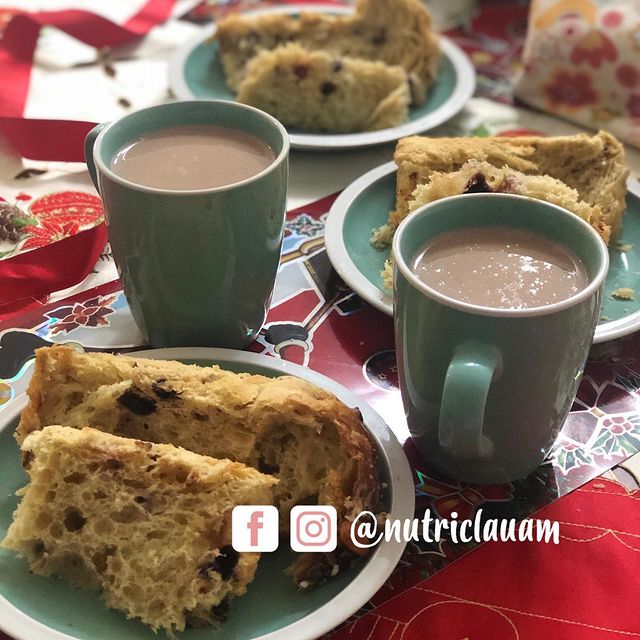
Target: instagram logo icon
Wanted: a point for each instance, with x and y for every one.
(313, 528)
(254, 528)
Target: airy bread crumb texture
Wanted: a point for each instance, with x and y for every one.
(316, 446)
(149, 526)
(395, 32)
(316, 91)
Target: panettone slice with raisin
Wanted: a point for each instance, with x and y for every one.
(482, 177)
(316, 446)
(315, 91)
(593, 166)
(585, 174)
(147, 525)
(396, 32)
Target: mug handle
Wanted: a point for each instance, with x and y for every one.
(89, 141)
(466, 386)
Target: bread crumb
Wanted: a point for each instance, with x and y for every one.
(387, 274)
(623, 293)
(604, 318)
(622, 247)
(382, 237)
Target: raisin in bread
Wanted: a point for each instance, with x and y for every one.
(148, 525)
(315, 91)
(396, 32)
(316, 446)
(591, 165)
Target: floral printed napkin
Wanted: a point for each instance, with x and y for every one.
(582, 62)
(30, 222)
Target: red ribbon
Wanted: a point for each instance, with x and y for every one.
(49, 140)
(19, 40)
(37, 273)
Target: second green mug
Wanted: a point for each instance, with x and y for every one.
(198, 267)
(486, 390)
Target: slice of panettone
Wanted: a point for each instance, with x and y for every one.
(396, 32)
(147, 525)
(593, 166)
(584, 174)
(315, 91)
(481, 177)
(317, 447)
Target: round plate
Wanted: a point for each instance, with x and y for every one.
(195, 72)
(37, 608)
(365, 204)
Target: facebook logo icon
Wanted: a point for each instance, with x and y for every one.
(254, 528)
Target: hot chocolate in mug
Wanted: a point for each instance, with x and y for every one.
(198, 266)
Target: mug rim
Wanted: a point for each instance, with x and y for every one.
(594, 284)
(105, 169)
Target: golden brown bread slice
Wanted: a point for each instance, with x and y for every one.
(316, 91)
(592, 165)
(396, 32)
(148, 525)
(316, 446)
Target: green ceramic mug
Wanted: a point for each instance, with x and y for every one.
(486, 391)
(198, 267)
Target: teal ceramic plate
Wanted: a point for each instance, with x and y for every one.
(37, 608)
(365, 204)
(195, 72)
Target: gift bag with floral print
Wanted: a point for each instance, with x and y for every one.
(582, 62)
